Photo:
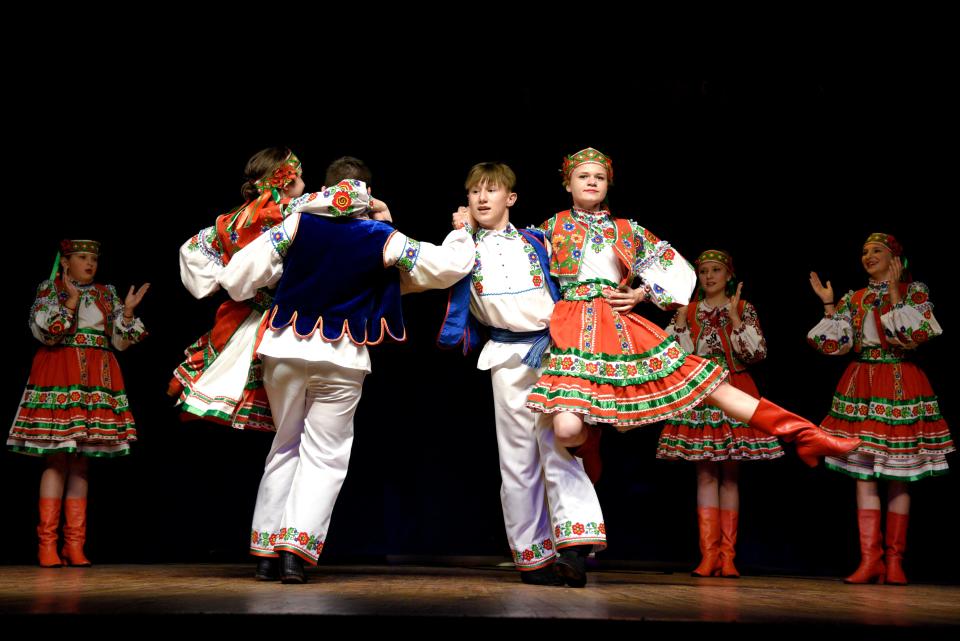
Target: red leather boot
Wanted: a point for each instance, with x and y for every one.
(871, 568)
(709, 521)
(75, 532)
(47, 533)
(812, 442)
(896, 545)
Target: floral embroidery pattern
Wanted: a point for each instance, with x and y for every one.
(626, 344)
(880, 355)
(84, 372)
(573, 530)
(655, 253)
(280, 240)
(885, 410)
(827, 345)
(509, 232)
(567, 237)
(208, 243)
(598, 228)
(476, 276)
(897, 382)
(534, 555)
(588, 336)
(49, 305)
(710, 323)
(536, 273)
(586, 289)
(105, 375)
(342, 201)
(854, 308)
(282, 175)
(918, 297)
(61, 398)
(311, 544)
(133, 332)
(346, 198)
(617, 370)
(666, 258)
(409, 256)
(86, 339)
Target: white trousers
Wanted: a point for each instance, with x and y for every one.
(548, 501)
(313, 404)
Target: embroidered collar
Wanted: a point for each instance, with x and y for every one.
(601, 230)
(346, 198)
(507, 232)
(707, 307)
(879, 285)
(590, 217)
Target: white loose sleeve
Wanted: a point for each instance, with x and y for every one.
(201, 262)
(911, 323)
(669, 278)
(260, 263)
(426, 266)
(833, 335)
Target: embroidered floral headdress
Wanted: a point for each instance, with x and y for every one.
(571, 162)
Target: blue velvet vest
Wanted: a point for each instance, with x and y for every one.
(334, 280)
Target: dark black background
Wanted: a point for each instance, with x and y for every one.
(787, 170)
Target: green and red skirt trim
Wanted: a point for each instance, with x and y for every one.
(617, 368)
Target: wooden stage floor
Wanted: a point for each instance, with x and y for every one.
(467, 597)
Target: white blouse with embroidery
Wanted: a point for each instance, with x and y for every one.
(508, 291)
(747, 343)
(667, 276)
(49, 318)
(906, 325)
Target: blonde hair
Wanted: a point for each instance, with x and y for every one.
(495, 173)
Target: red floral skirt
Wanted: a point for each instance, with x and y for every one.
(892, 407)
(74, 402)
(705, 433)
(618, 368)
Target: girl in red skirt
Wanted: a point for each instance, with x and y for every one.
(221, 379)
(724, 328)
(883, 399)
(609, 365)
(75, 406)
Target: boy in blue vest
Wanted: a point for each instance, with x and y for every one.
(339, 277)
(550, 508)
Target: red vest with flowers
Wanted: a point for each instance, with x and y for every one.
(569, 236)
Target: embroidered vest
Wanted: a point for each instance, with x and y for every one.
(570, 236)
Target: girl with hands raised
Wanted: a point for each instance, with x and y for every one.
(882, 398)
(75, 406)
